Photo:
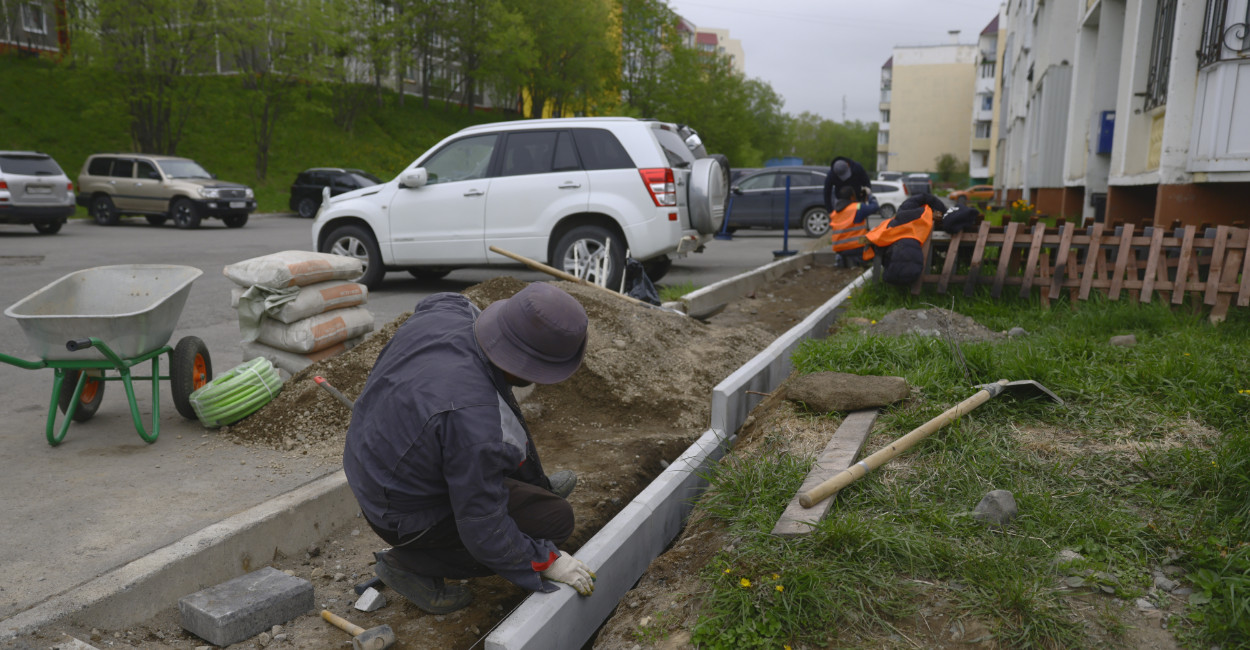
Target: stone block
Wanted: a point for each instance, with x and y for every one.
(241, 608)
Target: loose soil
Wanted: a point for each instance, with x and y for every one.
(641, 397)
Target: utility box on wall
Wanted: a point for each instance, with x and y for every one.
(1106, 132)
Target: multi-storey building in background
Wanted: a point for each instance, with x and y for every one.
(984, 101)
(1127, 110)
(925, 105)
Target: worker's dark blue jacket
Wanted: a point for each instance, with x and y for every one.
(435, 432)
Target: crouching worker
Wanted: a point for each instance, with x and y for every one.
(440, 458)
(900, 241)
(848, 224)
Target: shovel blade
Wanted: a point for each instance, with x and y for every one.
(1026, 389)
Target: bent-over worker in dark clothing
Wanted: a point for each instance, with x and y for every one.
(441, 460)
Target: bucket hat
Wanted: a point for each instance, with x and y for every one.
(539, 334)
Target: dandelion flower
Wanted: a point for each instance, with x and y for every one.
(776, 577)
(780, 588)
(745, 583)
(729, 569)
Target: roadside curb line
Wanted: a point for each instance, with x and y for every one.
(625, 547)
(249, 540)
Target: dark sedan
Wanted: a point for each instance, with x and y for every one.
(306, 190)
(759, 199)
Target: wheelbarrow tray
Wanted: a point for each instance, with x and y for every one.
(131, 307)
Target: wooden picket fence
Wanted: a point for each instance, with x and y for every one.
(1210, 262)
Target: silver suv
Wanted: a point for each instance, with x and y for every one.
(34, 191)
(159, 187)
(576, 193)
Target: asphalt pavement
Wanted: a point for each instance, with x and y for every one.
(104, 497)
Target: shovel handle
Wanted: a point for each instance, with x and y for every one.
(321, 381)
(539, 266)
(887, 453)
(341, 623)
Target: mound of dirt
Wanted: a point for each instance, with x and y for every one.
(932, 322)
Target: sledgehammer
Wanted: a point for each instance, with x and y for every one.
(1022, 389)
(374, 638)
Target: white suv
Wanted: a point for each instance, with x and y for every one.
(568, 191)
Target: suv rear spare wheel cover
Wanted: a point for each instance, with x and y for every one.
(707, 195)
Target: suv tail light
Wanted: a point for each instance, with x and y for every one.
(661, 184)
(69, 187)
(4, 185)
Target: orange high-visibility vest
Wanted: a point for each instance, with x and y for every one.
(846, 232)
(918, 229)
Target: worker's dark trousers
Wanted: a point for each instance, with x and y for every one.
(439, 553)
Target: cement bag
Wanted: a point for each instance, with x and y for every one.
(293, 362)
(308, 301)
(318, 332)
(293, 269)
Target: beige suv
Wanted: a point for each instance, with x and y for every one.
(111, 186)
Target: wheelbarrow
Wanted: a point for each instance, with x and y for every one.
(108, 319)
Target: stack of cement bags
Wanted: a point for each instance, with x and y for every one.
(297, 307)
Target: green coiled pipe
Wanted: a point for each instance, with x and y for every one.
(238, 393)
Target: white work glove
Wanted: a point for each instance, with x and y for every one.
(573, 572)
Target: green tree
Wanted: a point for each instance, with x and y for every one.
(153, 47)
(949, 168)
(648, 35)
(273, 43)
(574, 55)
(817, 140)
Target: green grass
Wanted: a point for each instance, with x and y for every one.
(1183, 500)
(72, 112)
(671, 292)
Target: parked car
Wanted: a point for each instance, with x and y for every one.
(890, 195)
(573, 192)
(157, 187)
(918, 184)
(890, 176)
(759, 199)
(309, 184)
(34, 191)
(974, 193)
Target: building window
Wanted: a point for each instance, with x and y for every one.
(1160, 55)
(883, 137)
(1220, 32)
(33, 19)
(987, 102)
(885, 116)
(885, 96)
(987, 70)
(983, 129)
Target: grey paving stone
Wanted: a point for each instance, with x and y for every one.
(241, 608)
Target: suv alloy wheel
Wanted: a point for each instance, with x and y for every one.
(581, 250)
(186, 216)
(354, 241)
(103, 211)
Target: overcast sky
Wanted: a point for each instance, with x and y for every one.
(813, 52)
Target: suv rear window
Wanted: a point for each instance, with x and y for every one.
(100, 166)
(601, 150)
(22, 165)
(674, 148)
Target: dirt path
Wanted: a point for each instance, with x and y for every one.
(641, 397)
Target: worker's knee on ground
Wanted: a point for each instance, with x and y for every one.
(539, 513)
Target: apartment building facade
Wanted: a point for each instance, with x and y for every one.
(925, 111)
(35, 27)
(1157, 124)
(984, 101)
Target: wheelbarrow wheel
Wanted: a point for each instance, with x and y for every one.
(88, 401)
(190, 367)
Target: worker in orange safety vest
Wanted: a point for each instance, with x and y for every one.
(848, 224)
(900, 241)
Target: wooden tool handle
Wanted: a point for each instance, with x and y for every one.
(341, 623)
(539, 266)
(887, 453)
